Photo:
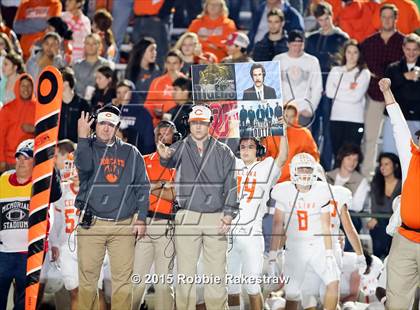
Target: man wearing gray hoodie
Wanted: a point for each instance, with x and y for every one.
(114, 187)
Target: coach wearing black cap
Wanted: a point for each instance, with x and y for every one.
(114, 188)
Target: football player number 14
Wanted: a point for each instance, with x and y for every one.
(302, 219)
(249, 187)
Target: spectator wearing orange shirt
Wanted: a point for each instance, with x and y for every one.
(300, 140)
(356, 18)
(17, 121)
(31, 21)
(157, 247)
(159, 98)
(408, 15)
(213, 27)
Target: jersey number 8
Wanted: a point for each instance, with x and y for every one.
(302, 219)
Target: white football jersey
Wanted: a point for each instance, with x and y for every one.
(342, 197)
(69, 215)
(304, 223)
(254, 184)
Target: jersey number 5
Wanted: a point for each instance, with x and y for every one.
(302, 219)
(70, 221)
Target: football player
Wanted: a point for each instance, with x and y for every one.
(66, 219)
(340, 203)
(255, 178)
(302, 217)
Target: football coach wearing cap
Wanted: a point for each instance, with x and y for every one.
(207, 197)
(259, 91)
(114, 187)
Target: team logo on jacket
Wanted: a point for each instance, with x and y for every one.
(112, 168)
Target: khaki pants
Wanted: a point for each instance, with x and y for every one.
(155, 248)
(118, 239)
(196, 232)
(403, 273)
(373, 127)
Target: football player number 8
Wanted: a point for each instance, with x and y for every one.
(302, 219)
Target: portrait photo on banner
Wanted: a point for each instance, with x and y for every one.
(258, 80)
(260, 99)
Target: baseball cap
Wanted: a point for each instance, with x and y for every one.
(295, 36)
(200, 113)
(110, 114)
(238, 38)
(25, 148)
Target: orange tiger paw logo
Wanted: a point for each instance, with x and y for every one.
(111, 178)
(112, 168)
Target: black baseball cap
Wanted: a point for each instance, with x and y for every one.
(295, 36)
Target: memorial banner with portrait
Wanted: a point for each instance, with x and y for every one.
(246, 98)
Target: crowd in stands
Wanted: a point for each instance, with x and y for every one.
(332, 54)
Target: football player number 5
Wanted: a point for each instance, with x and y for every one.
(70, 222)
(302, 219)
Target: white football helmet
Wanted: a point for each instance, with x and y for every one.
(320, 173)
(69, 171)
(303, 160)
